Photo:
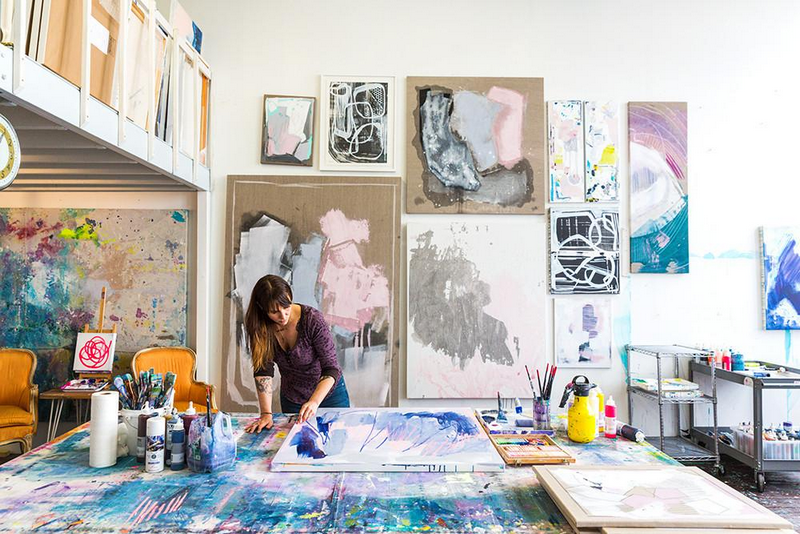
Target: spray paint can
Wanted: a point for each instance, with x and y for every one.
(141, 439)
(156, 428)
(629, 432)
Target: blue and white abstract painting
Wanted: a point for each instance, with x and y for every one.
(389, 439)
(780, 256)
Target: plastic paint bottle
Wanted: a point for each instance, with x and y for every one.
(610, 419)
(178, 455)
(156, 427)
(517, 406)
(601, 410)
(726, 360)
(188, 416)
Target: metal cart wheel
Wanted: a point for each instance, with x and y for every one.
(761, 482)
(719, 470)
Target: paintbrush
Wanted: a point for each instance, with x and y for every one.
(208, 406)
(530, 380)
(552, 379)
(539, 378)
(123, 395)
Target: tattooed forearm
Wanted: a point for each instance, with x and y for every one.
(264, 384)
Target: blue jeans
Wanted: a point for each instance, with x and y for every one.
(337, 398)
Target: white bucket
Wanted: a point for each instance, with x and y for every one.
(131, 420)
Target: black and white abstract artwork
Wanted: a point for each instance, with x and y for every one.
(584, 251)
(357, 123)
(476, 314)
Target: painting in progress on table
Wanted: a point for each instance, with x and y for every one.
(56, 262)
(475, 145)
(592, 496)
(476, 314)
(389, 439)
(338, 252)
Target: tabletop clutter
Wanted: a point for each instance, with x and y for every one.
(138, 419)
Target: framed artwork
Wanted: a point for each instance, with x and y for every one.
(288, 133)
(657, 134)
(584, 250)
(780, 263)
(475, 145)
(94, 352)
(357, 123)
(583, 331)
(476, 312)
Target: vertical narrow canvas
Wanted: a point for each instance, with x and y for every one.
(566, 147)
(584, 250)
(657, 133)
(601, 126)
(475, 308)
(389, 439)
(55, 263)
(475, 145)
(780, 257)
(339, 253)
(288, 135)
(357, 123)
(583, 328)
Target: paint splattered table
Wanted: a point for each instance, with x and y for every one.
(53, 489)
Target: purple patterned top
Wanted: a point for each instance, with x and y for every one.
(313, 356)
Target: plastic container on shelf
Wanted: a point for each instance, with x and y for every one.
(773, 450)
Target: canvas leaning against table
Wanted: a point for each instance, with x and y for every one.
(389, 439)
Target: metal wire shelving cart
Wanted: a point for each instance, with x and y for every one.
(679, 447)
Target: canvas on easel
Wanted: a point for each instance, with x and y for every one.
(94, 350)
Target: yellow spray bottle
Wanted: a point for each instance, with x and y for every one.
(582, 418)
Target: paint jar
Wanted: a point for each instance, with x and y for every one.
(541, 414)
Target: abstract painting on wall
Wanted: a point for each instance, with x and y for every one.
(601, 129)
(389, 439)
(357, 123)
(780, 257)
(657, 132)
(475, 145)
(583, 328)
(288, 133)
(566, 151)
(339, 253)
(56, 262)
(475, 308)
(584, 251)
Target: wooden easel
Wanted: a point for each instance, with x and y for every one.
(113, 330)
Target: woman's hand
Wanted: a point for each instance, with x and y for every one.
(307, 411)
(265, 421)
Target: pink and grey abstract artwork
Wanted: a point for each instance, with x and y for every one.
(288, 136)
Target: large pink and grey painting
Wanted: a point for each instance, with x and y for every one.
(476, 145)
(476, 315)
(338, 252)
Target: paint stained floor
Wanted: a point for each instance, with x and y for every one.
(781, 494)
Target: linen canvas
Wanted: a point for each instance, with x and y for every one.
(56, 262)
(389, 439)
(584, 250)
(583, 331)
(475, 145)
(339, 252)
(357, 123)
(657, 133)
(288, 134)
(780, 257)
(601, 127)
(475, 308)
(566, 147)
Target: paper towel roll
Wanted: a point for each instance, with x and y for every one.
(103, 429)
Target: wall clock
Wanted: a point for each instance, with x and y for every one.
(10, 155)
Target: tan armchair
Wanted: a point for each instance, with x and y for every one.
(19, 398)
(183, 362)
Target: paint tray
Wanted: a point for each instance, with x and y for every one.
(529, 449)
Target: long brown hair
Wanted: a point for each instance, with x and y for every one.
(268, 292)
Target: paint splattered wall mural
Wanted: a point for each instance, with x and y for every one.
(475, 308)
(336, 241)
(55, 263)
(583, 328)
(475, 145)
(357, 123)
(780, 257)
(601, 127)
(657, 132)
(566, 151)
(584, 251)
(288, 134)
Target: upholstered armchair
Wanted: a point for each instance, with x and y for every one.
(183, 362)
(19, 398)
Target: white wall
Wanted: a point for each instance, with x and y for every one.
(734, 62)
